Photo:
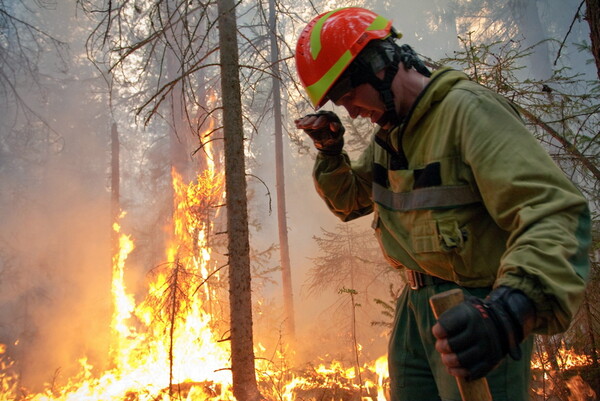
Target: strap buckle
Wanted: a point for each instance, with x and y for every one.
(415, 279)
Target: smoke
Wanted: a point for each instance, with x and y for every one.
(55, 262)
(55, 271)
(55, 266)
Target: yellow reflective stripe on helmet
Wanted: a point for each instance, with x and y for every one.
(315, 35)
(378, 23)
(317, 90)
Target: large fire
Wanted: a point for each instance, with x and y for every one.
(170, 345)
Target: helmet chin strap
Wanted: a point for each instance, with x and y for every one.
(409, 59)
(384, 87)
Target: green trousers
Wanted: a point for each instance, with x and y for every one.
(416, 370)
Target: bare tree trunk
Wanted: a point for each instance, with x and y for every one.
(527, 17)
(446, 33)
(592, 337)
(592, 16)
(178, 133)
(115, 185)
(284, 250)
(594, 379)
(242, 352)
(179, 128)
(115, 208)
(173, 320)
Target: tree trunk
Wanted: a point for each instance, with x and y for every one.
(115, 186)
(594, 380)
(114, 173)
(527, 17)
(445, 33)
(590, 328)
(592, 16)
(179, 128)
(242, 353)
(284, 250)
(172, 291)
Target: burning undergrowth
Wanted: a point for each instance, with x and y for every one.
(172, 344)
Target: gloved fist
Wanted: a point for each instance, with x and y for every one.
(474, 336)
(325, 129)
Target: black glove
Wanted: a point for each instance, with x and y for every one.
(482, 332)
(326, 131)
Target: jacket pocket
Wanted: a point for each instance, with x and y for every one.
(438, 236)
(437, 246)
(451, 236)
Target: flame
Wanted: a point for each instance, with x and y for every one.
(8, 379)
(580, 390)
(381, 370)
(565, 359)
(547, 381)
(335, 381)
(124, 303)
(173, 342)
(168, 345)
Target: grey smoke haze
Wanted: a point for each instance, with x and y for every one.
(55, 255)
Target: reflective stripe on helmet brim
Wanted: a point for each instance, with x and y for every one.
(317, 91)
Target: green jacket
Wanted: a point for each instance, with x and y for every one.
(470, 196)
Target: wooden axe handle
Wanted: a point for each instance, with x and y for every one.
(474, 390)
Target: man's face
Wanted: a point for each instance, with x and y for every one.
(362, 101)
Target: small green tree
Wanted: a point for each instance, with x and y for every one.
(351, 262)
(351, 258)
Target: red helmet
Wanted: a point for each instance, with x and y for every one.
(330, 42)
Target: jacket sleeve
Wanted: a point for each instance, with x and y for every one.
(345, 186)
(527, 195)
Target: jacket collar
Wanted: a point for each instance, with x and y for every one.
(441, 82)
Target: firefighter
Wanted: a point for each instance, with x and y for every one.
(461, 196)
